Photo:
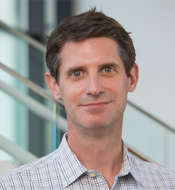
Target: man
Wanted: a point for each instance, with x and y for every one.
(91, 61)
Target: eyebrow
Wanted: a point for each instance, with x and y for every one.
(100, 66)
(109, 64)
(74, 68)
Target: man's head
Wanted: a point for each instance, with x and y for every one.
(92, 57)
(90, 24)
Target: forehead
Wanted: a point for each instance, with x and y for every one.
(90, 50)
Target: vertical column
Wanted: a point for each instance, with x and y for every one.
(64, 10)
(36, 72)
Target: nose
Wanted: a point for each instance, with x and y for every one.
(94, 85)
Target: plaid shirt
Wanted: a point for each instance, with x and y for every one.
(62, 170)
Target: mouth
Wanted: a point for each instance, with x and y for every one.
(96, 105)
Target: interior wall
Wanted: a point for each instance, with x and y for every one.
(153, 28)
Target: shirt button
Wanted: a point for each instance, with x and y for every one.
(92, 174)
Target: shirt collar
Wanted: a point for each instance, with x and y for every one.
(129, 166)
(71, 168)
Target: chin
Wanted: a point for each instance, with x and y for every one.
(96, 124)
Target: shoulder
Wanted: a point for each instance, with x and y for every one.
(153, 174)
(29, 176)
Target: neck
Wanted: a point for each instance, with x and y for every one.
(98, 150)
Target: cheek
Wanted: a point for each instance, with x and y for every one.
(114, 86)
(118, 89)
(72, 93)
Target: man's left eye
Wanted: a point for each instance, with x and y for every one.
(77, 73)
(108, 69)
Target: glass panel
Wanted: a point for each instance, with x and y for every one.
(23, 58)
(13, 122)
(28, 62)
(17, 122)
(13, 53)
(11, 16)
(170, 151)
(145, 135)
(26, 128)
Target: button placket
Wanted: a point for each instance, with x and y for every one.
(92, 176)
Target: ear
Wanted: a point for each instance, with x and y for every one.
(133, 78)
(52, 84)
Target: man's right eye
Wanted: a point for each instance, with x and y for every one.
(76, 73)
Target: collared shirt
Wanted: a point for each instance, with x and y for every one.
(62, 170)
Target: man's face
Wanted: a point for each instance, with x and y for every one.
(93, 84)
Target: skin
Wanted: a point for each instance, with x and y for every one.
(93, 86)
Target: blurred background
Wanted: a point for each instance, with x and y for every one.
(26, 116)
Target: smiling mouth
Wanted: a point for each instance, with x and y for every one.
(96, 105)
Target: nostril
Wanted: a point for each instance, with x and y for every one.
(94, 89)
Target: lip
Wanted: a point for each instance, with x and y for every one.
(96, 104)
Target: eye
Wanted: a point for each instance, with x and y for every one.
(76, 73)
(108, 69)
